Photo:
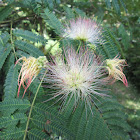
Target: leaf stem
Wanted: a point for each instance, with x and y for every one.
(16, 19)
(27, 124)
(78, 47)
(11, 34)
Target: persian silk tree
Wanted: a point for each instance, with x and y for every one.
(75, 78)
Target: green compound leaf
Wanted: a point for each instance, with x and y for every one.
(69, 13)
(15, 134)
(12, 120)
(116, 4)
(4, 37)
(5, 12)
(84, 124)
(28, 35)
(110, 47)
(50, 120)
(20, 104)
(29, 48)
(107, 121)
(4, 51)
(53, 21)
(11, 83)
(36, 134)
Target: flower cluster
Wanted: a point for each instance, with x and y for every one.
(115, 69)
(30, 69)
(83, 29)
(79, 75)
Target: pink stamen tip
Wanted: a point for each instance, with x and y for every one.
(125, 81)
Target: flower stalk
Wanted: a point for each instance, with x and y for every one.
(27, 124)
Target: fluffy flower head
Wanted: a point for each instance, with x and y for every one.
(78, 76)
(30, 69)
(115, 69)
(83, 29)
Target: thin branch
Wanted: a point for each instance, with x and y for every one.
(17, 19)
(32, 107)
(11, 35)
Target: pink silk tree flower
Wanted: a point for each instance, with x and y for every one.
(84, 29)
(115, 69)
(78, 76)
(30, 69)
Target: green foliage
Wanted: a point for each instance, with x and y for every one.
(103, 117)
(125, 39)
(15, 133)
(4, 37)
(4, 12)
(113, 115)
(28, 48)
(69, 13)
(14, 104)
(29, 36)
(9, 1)
(80, 12)
(51, 3)
(9, 61)
(133, 61)
(36, 134)
(51, 125)
(81, 123)
(7, 122)
(53, 21)
(33, 87)
(11, 83)
(110, 47)
(4, 53)
(116, 5)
